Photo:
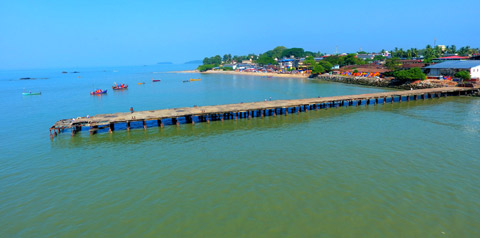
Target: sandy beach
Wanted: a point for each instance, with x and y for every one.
(247, 73)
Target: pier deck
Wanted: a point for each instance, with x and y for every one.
(263, 108)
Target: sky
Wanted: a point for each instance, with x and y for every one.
(55, 34)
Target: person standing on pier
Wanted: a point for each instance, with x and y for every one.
(131, 109)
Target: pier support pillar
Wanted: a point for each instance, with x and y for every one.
(286, 111)
(408, 98)
(144, 124)
(111, 127)
(128, 125)
(93, 130)
(392, 100)
(160, 123)
(249, 115)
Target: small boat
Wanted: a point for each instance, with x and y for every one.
(120, 87)
(186, 81)
(30, 93)
(155, 80)
(99, 91)
(141, 83)
(195, 79)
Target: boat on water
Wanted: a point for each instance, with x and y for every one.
(186, 81)
(141, 83)
(120, 87)
(195, 79)
(32, 93)
(155, 80)
(98, 91)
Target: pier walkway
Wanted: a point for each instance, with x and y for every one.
(248, 110)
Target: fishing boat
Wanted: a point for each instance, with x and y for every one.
(120, 87)
(195, 79)
(30, 93)
(141, 83)
(155, 80)
(98, 91)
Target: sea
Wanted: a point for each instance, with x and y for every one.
(409, 169)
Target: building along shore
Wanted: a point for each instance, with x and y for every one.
(268, 74)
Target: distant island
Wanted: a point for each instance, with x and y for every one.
(199, 62)
(167, 62)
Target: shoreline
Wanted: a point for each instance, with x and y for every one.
(364, 81)
(245, 73)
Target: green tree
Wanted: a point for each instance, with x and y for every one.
(317, 69)
(205, 67)
(409, 75)
(326, 65)
(265, 60)
(379, 57)
(464, 75)
(296, 52)
(309, 62)
(334, 60)
(393, 63)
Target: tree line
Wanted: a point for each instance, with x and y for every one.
(430, 52)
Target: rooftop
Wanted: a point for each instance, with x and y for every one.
(454, 57)
(457, 64)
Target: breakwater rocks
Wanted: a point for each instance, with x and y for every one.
(378, 82)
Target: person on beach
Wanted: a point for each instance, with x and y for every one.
(131, 109)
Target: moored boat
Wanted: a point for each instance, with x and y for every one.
(155, 80)
(98, 91)
(195, 79)
(120, 87)
(30, 93)
(141, 83)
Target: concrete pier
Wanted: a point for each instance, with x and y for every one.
(247, 110)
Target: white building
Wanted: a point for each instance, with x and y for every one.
(449, 68)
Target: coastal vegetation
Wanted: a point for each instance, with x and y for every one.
(317, 67)
(409, 75)
(428, 53)
(464, 75)
(344, 60)
(205, 67)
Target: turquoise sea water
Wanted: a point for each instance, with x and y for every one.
(394, 170)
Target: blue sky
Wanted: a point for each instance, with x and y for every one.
(50, 33)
